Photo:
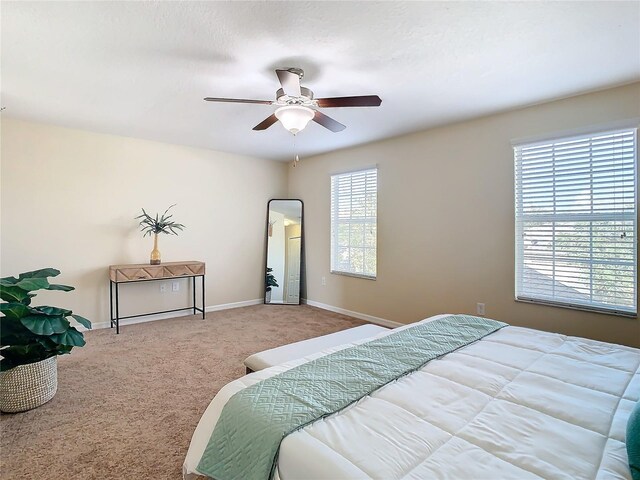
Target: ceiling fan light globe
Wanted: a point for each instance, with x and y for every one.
(294, 117)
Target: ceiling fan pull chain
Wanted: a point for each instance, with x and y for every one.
(296, 158)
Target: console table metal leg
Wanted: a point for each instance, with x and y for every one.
(117, 311)
(193, 288)
(203, 308)
(111, 303)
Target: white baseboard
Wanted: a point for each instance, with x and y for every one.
(362, 316)
(165, 316)
(226, 306)
(246, 303)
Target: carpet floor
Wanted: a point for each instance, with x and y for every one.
(128, 404)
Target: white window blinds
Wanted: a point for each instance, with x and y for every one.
(576, 232)
(354, 198)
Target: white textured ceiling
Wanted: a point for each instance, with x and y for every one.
(141, 69)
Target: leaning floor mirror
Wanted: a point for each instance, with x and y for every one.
(284, 252)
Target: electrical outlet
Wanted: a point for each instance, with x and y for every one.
(324, 280)
(480, 309)
(175, 286)
(163, 287)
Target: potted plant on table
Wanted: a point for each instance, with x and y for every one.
(160, 224)
(271, 282)
(31, 338)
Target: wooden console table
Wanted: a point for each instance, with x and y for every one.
(144, 272)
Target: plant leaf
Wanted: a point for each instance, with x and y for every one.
(46, 325)
(8, 281)
(29, 284)
(46, 342)
(62, 349)
(64, 288)
(42, 273)
(15, 294)
(170, 207)
(82, 321)
(60, 312)
(12, 332)
(14, 310)
(70, 337)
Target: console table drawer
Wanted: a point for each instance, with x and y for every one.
(178, 270)
(132, 274)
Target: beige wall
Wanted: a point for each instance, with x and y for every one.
(69, 198)
(446, 219)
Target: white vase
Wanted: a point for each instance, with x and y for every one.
(28, 386)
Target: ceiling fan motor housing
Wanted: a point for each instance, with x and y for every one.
(297, 71)
(305, 99)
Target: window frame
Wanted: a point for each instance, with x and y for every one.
(333, 227)
(614, 310)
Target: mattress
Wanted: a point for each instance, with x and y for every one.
(519, 403)
(292, 351)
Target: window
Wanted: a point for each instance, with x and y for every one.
(354, 198)
(576, 242)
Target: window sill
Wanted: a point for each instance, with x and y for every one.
(355, 275)
(581, 308)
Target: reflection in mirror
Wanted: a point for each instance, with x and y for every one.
(284, 251)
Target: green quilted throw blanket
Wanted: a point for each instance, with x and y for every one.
(245, 441)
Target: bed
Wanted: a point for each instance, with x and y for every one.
(518, 403)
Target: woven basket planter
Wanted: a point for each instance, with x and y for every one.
(28, 386)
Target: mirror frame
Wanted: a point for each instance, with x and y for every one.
(266, 252)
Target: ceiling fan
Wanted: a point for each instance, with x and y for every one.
(297, 106)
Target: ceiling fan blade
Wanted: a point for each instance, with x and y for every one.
(267, 122)
(238, 100)
(290, 82)
(360, 101)
(328, 122)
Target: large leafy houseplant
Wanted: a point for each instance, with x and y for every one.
(31, 334)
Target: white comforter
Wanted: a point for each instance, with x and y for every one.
(518, 404)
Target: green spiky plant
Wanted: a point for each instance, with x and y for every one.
(160, 224)
(31, 334)
(271, 280)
